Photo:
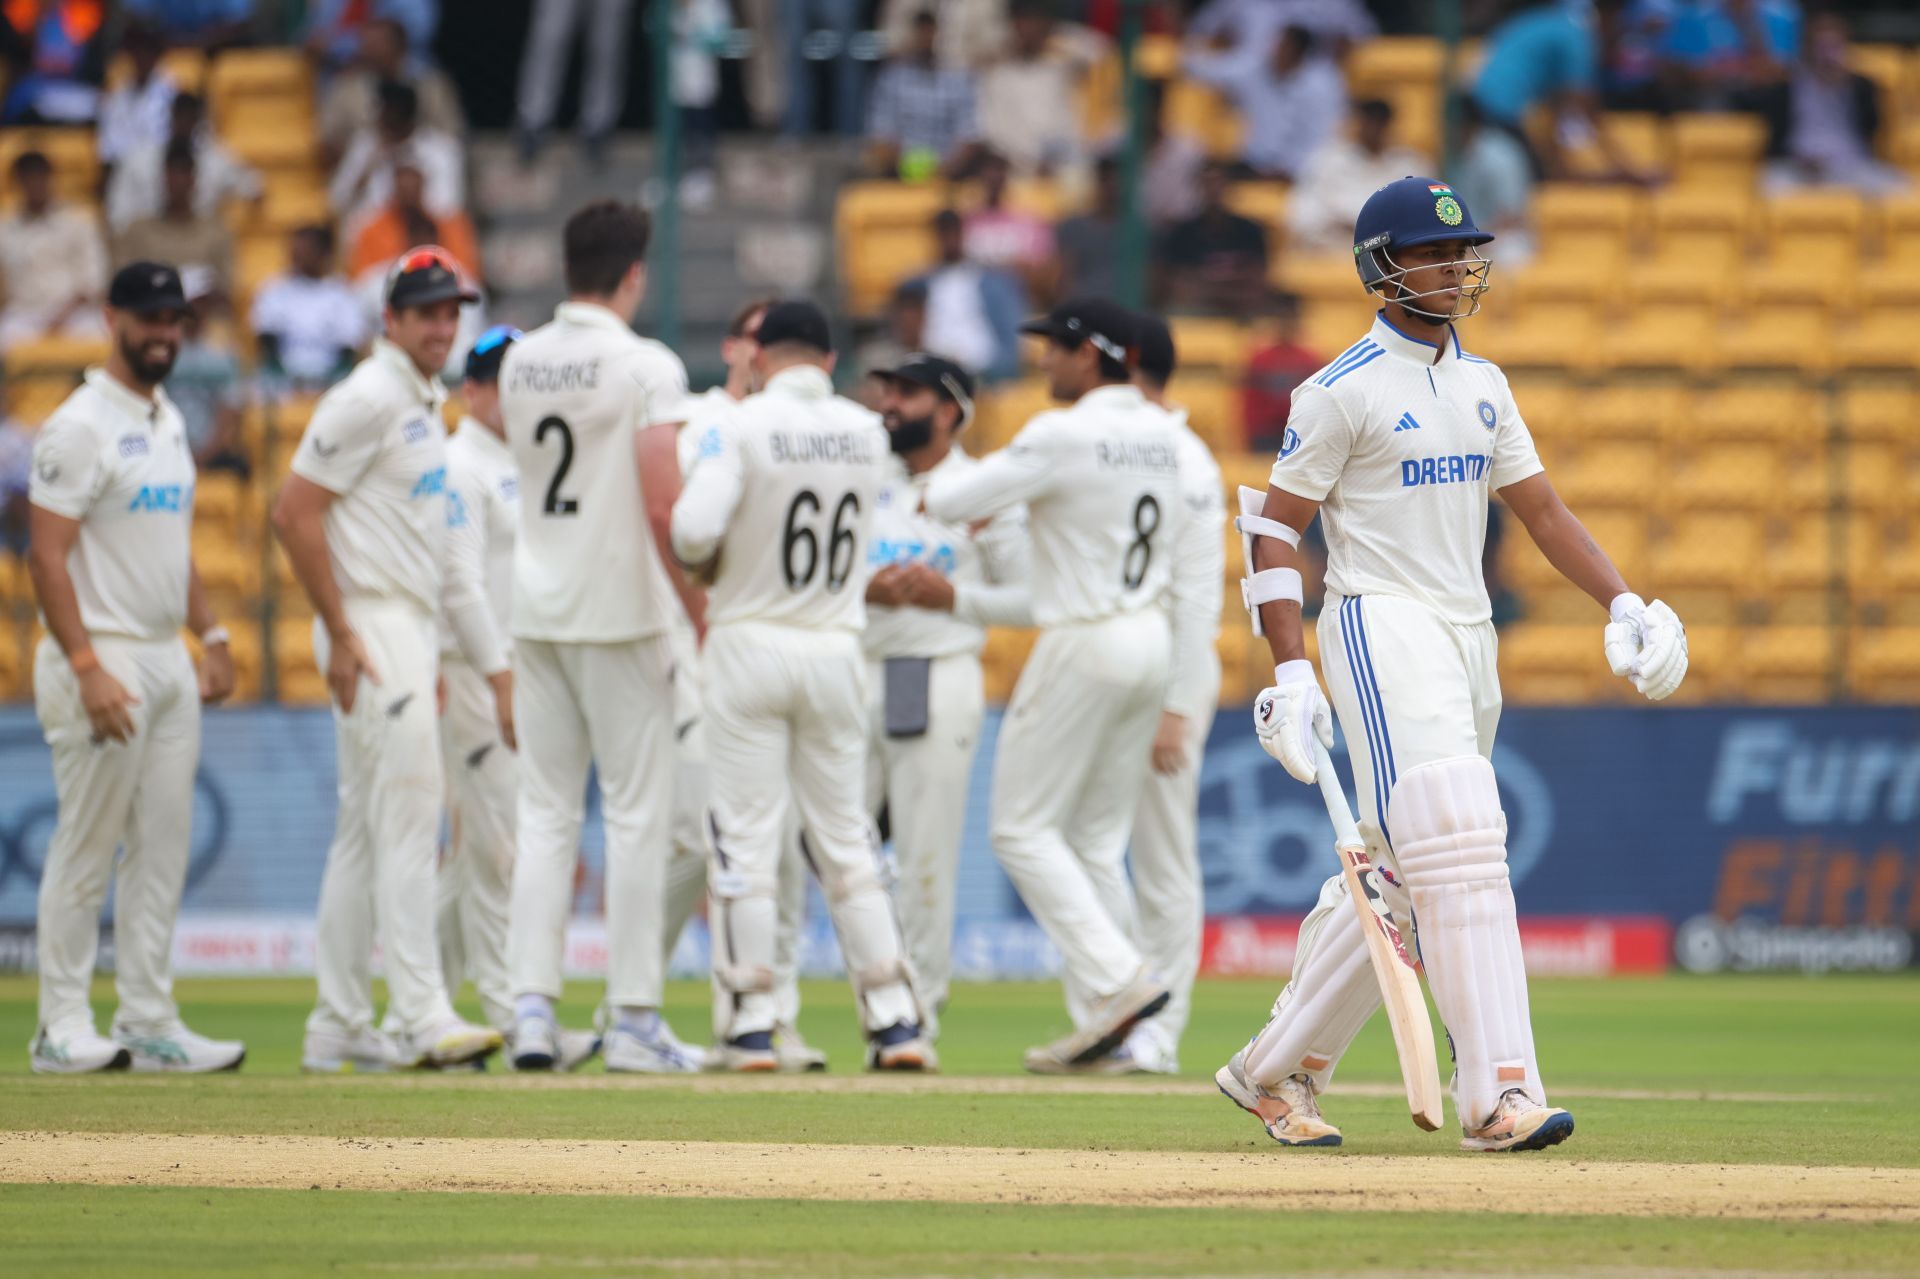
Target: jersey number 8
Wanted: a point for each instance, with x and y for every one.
(840, 541)
(1146, 522)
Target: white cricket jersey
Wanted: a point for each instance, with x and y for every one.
(483, 520)
(377, 443)
(988, 569)
(121, 465)
(1101, 483)
(1402, 442)
(575, 392)
(784, 488)
(1199, 568)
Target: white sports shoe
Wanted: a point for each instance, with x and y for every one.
(455, 1042)
(748, 1054)
(1520, 1123)
(1287, 1110)
(366, 1049)
(77, 1050)
(1147, 1051)
(795, 1055)
(1110, 1022)
(577, 1048)
(172, 1047)
(902, 1047)
(536, 1044)
(661, 1054)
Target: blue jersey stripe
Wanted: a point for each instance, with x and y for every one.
(1367, 729)
(1380, 708)
(1352, 355)
(1362, 362)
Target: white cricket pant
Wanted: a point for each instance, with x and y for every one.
(476, 872)
(1072, 756)
(556, 26)
(577, 705)
(1410, 688)
(787, 723)
(137, 795)
(380, 868)
(922, 782)
(1171, 909)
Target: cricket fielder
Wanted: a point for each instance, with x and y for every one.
(777, 514)
(363, 518)
(1397, 444)
(1166, 850)
(1101, 483)
(687, 874)
(111, 519)
(476, 872)
(591, 412)
(935, 589)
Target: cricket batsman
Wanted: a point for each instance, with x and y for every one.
(1398, 444)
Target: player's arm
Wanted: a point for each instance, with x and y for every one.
(1006, 597)
(216, 657)
(1012, 477)
(656, 458)
(1199, 562)
(706, 505)
(1643, 642)
(463, 595)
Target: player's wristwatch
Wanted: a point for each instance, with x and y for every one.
(214, 635)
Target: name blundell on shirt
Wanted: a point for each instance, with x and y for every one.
(551, 379)
(1136, 456)
(820, 446)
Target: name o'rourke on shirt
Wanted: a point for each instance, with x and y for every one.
(841, 447)
(1448, 468)
(1138, 456)
(553, 379)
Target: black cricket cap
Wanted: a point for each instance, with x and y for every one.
(425, 275)
(795, 321)
(1108, 326)
(147, 288)
(937, 374)
(1153, 351)
(489, 349)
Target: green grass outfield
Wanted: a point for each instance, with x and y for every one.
(1791, 1073)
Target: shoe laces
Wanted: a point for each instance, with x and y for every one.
(1297, 1092)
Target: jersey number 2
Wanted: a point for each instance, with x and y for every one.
(1146, 522)
(840, 541)
(555, 504)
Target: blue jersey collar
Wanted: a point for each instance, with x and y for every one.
(1403, 344)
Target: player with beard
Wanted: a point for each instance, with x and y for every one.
(111, 522)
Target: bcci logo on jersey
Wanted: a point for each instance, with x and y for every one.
(1488, 418)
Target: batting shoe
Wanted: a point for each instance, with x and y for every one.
(171, 1047)
(1520, 1123)
(77, 1050)
(327, 1052)
(630, 1053)
(455, 1043)
(1110, 1022)
(795, 1054)
(576, 1048)
(751, 1053)
(1287, 1111)
(902, 1047)
(536, 1044)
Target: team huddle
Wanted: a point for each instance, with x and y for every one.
(756, 615)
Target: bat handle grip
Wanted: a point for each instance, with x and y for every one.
(1346, 833)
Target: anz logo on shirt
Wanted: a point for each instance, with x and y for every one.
(430, 484)
(456, 510)
(886, 551)
(163, 499)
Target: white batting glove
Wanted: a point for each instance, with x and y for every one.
(1290, 715)
(1647, 644)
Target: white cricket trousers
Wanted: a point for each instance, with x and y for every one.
(786, 725)
(1166, 868)
(1072, 757)
(1410, 688)
(386, 838)
(922, 782)
(476, 872)
(577, 705)
(137, 795)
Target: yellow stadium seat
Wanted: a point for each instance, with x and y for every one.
(1890, 290)
(1005, 653)
(1634, 408)
(1264, 202)
(1331, 325)
(1884, 664)
(1571, 345)
(32, 400)
(1386, 63)
(1638, 137)
(1246, 468)
(1550, 663)
(1821, 210)
(76, 165)
(187, 68)
(1007, 409)
(1716, 148)
(1210, 343)
(1817, 270)
(1193, 110)
(1213, 409)
(224, 564)
(1680, 278)
(1880, 409)
(1744, 475)
(1788, 663)
(1320, 277)
(1711, 549)
(54, 356)
(1871, 475)
(1803, 553)
(1747, 408)
(1781, 339)
(1898, 217)
(259, 73)
(1587, 214)
(1877, 342)
(1607, 472)
(217, 500)
(1550, 406)
(1670, 338)
(1884, 64)
(1556, 283)
(1713, 668)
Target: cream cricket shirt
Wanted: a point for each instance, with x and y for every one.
(121, 466)
(483, 518)
(1199, 567)
(575, 392)
(1402, 450)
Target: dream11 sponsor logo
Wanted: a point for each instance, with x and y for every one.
(1821, 867)
(1266, 844)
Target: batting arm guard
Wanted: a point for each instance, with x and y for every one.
(1267, 585)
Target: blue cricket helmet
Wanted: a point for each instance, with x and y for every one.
(1413, 211)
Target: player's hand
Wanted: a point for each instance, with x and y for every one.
(216, 674)
(887, 588)
(1647, 644)
(503, 707)
(347, 661)
(1170, 743)
(927, 587)
(1290, 715)
(108, 704)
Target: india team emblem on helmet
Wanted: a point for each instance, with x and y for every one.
(1447, 209)
(1488, 417)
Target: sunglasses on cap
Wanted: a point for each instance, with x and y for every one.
(495, 338)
